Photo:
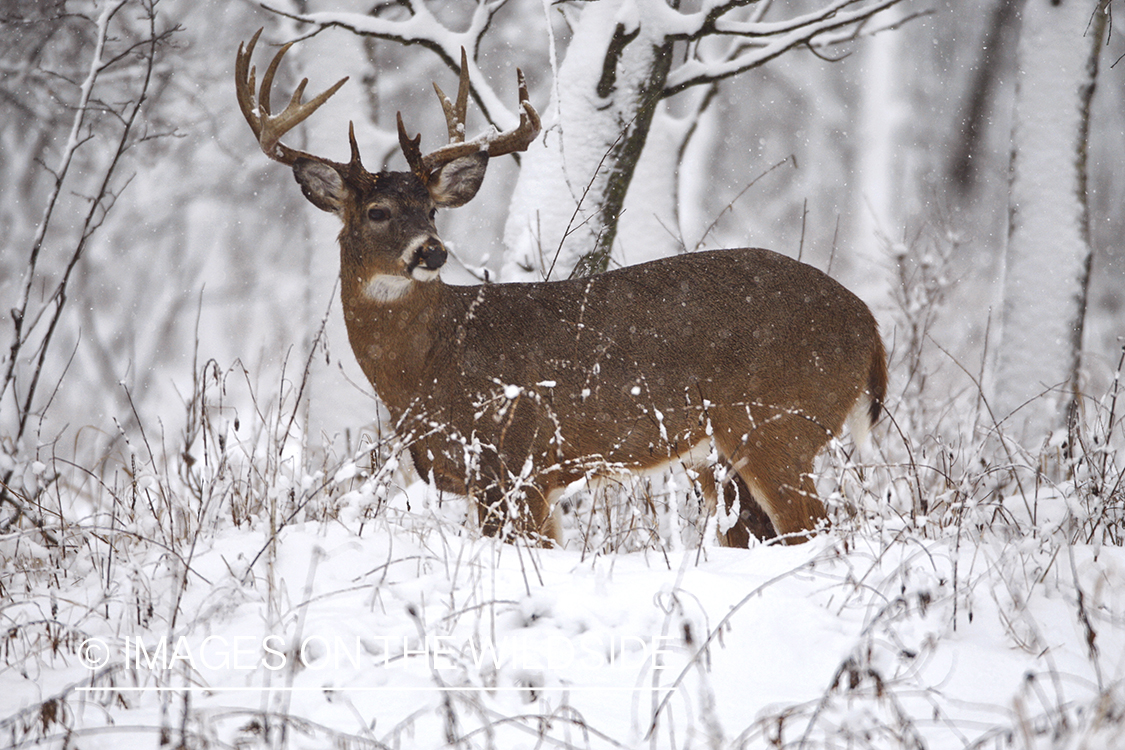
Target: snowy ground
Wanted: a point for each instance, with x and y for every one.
(240, 602)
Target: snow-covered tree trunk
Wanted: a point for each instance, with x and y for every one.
(884, 113)
(572, 185)
(1048, 255)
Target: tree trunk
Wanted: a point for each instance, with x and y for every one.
(572, 185)
(1048, 255)
(881, 161)
(968, 151)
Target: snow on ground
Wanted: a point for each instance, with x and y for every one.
(385, 623)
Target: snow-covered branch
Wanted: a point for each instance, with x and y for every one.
(424, 29)
(760, 42)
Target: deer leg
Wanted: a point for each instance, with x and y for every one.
(543, 516)
(788, 497)
(775, 462)
(751, 520)
(529, 516)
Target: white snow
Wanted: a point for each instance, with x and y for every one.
(416, 627)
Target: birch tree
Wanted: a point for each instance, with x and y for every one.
(1049, 251)
(576, 196)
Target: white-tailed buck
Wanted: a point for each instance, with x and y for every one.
(739, 363)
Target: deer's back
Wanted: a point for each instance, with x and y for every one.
(643, 349)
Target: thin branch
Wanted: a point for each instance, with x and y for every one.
(768, 41)
(74, 142)
(94, 216)
(730, 205)
(423, 29)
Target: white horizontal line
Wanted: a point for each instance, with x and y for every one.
(397, 689)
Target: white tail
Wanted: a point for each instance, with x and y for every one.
(508, 393)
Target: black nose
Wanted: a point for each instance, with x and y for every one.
(432, 255)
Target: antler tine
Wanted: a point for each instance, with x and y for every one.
(244, 82)
(412, 152)
(268, 128)
(267, 80)
(496, 144)
(455, 113)
(522, 136)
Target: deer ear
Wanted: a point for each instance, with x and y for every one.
(455, 183)
(321, 184)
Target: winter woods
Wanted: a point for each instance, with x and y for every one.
(659, 126)
(188, 450)
(658, 120)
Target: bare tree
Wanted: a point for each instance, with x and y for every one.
(100, 99)
(624, 60)
(1049, 251)
(968, 151)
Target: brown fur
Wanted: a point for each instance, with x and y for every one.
(755, 351)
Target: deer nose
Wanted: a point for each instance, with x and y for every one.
(431, 255)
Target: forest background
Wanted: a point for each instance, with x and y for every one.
(170, 300)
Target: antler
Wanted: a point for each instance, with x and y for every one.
(267, 127)
(496, 144)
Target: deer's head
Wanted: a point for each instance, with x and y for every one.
(389, 239)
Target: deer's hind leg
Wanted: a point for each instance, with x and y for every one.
(750, 520)
(775, 461)
(526, 513)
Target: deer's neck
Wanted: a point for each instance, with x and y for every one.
(394, 329)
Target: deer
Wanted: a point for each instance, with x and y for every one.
(739, 365)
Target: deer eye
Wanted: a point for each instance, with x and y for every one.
(377, 214)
